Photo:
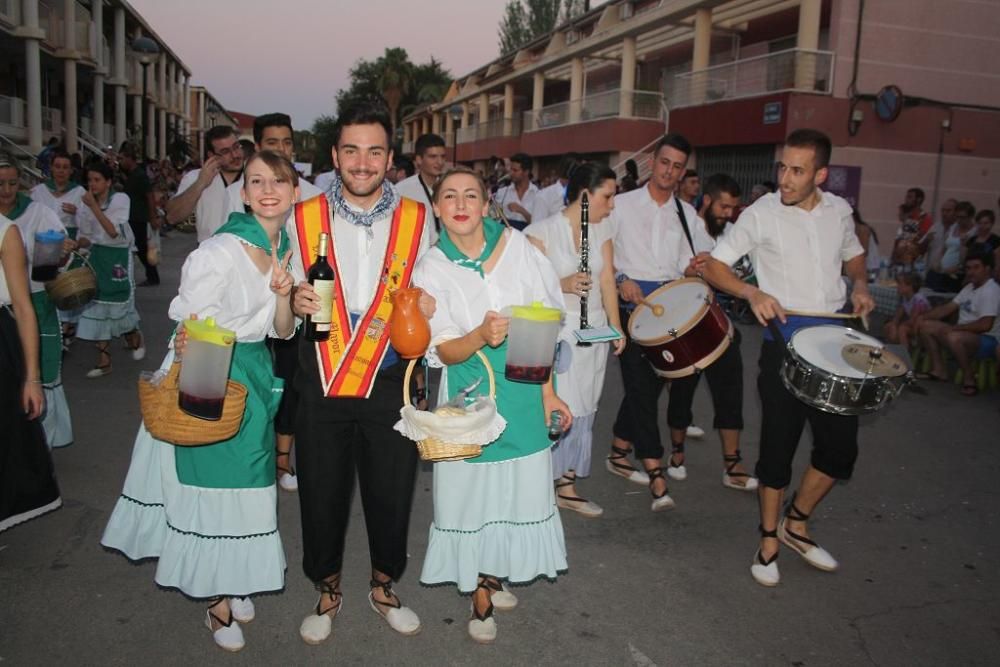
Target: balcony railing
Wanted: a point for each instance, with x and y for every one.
(606, 104)
(796, 70)
(499, 127)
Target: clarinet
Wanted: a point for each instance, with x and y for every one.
(584, 259)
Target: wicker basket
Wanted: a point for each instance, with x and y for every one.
(167, 422)
(432, 449)
(74, 288)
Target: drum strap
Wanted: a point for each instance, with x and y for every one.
(684, 224)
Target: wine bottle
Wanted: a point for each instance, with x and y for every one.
(321, 278)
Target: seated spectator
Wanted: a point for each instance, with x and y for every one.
(975, 336)
(912, 305)
(984, 240)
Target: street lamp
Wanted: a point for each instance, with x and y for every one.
(455, 111)
(146, 52)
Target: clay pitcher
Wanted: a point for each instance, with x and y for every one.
(409, 331)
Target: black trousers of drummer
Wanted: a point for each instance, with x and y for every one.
(835, 437)
(338, 440)
(638, 415)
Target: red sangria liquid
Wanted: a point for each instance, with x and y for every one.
(528, 374)
(202, 408)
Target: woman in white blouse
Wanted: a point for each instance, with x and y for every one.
(209, 513)
(104, 228)
(583, 380)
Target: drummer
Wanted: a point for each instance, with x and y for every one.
(645, 260)
(799, 240)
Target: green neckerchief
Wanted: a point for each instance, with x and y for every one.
(492, 229)
(21, 204)
(70, 184)
(247, 228)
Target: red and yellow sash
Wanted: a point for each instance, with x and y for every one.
(350, 358)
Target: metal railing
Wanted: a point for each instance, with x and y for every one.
(498, 127)
(798, 70)
(606, 104)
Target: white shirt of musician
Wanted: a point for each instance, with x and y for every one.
(647, 235)
(797, 254)
(359, 257)
(507, 195)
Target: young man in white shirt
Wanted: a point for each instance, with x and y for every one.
(271, 132)
(799, 241)
(975, 335)
(430, 158)
(518, 200)
(341, 435)
(203, 191)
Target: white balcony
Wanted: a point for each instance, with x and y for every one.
(606, 104)
(794, 70)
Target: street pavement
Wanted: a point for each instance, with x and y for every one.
(913, 531)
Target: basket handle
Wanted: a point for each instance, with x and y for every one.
(413, 362)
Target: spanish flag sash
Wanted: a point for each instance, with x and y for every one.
(350, 358)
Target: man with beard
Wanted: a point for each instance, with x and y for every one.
(429, 156)
(800, 240)
(350, 386)
(725, 375)
(203, 191)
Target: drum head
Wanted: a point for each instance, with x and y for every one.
(823, 346)
(682, 301)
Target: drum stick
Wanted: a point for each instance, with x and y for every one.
(655, 307)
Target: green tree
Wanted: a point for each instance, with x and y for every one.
(525, 20)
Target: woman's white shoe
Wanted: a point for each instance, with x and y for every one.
(243, 609)
(228, 637)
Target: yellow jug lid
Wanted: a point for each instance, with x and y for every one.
(537, 312)
(206, 331)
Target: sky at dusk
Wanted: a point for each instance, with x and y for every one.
(259, 56)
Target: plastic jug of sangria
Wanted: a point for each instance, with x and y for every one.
(205, 368)
(531, 343)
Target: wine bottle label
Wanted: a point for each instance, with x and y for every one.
(324, 290)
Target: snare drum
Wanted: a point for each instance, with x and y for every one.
(842, 371)
(690, 335)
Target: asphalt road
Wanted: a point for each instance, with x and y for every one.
(913, 531)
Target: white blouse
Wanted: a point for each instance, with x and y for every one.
(521, 276)
(220, 280)
(116, 210)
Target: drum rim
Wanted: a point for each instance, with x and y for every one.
(687, 326)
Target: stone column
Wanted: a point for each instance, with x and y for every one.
(701, 54)
(69, 55)
(120, 78)
(32, 34)
(807, 39)
(576, 90)
(508, 109)
(626, 87)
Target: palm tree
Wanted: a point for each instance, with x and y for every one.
(395, 77)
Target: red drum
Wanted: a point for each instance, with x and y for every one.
(690, 334)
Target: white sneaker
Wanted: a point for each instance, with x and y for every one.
(401, 619)
(810, 552)
(228, 637)
(695, 432)
(765, 574)
(243, 609)
(288, 482)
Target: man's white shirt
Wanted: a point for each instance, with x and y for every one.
(212, 208)
(798, 255)
(412, 188)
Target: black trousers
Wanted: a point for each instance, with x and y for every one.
(835, 437)
(142, 247)
(336, 440)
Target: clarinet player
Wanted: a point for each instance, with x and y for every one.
(561, 238)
